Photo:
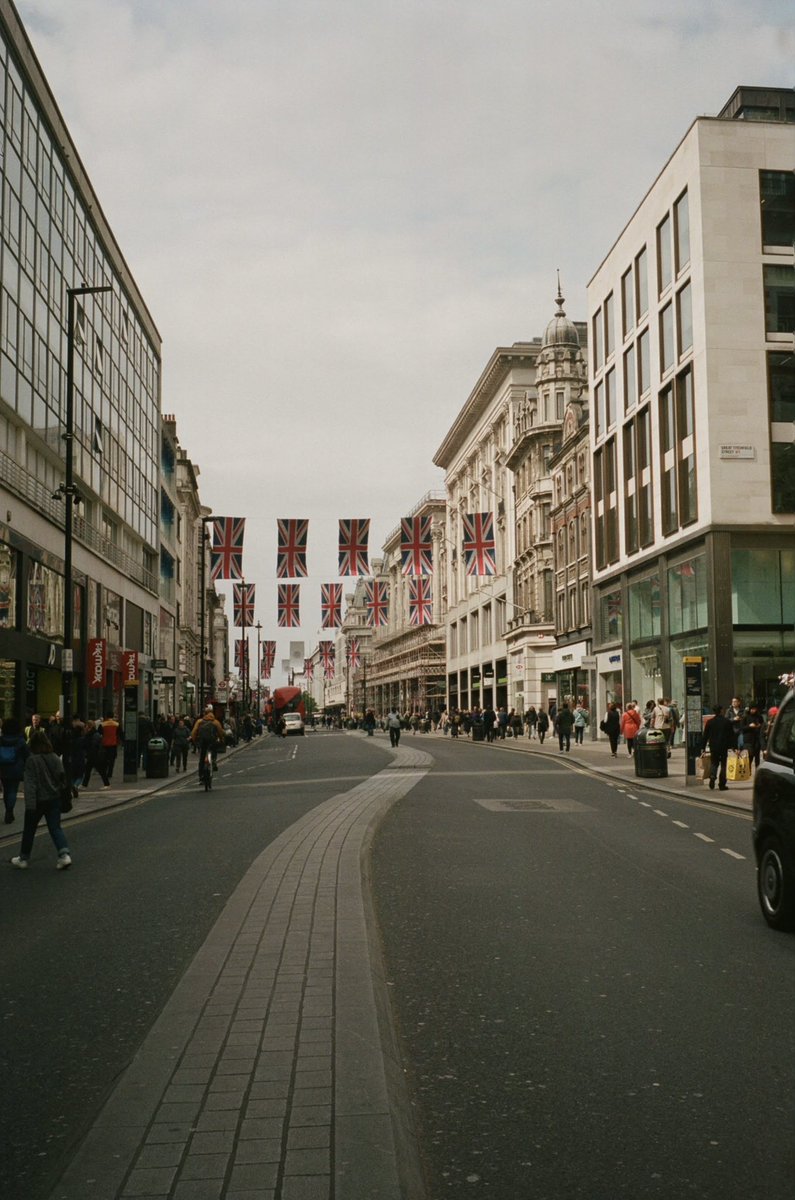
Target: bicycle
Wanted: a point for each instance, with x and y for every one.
(206, 770)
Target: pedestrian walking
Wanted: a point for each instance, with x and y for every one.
(94, 754)
(13, 755)
(110, 744)
(45, 780)
(531, 721)
(611, 725)
(719, 736)
(752, 733)
(630, 724)
(542, 725)
(564, 722)
(580, 723)
(180, 744)
(393, 726)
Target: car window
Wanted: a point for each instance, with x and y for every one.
(783, 741)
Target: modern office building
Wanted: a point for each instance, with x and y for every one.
(55, 237)
(692, 383)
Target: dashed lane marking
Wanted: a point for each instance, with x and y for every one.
(681, 824)
(732, 853)
(660, 812)
(703, 837)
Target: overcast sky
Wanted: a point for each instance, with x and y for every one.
(336, 210)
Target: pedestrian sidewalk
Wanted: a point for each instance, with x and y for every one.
(596, 756)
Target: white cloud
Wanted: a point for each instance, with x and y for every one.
(336, 210)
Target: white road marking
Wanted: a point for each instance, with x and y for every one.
(660, 812)
(732, 853)
(681, 824)
(643, 804)
(703, 837)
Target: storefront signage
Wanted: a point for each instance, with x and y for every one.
(738, 451)
(588, 663)
(548, 677)
(129, 667)
(97, 662)
(614, 658)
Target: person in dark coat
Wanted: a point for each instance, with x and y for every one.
(77, 752)
(720, 737)
(44, 780)
(752, 733)
(612, 727)
(542, 725)
(564, 722)
(13, 753)
(94, 757)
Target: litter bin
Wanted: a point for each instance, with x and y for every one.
(157, 758)
(478, 731)
(651, 754)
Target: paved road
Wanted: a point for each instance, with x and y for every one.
(90, 956)
(588, 1000)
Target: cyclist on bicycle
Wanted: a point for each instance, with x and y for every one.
(207, 735)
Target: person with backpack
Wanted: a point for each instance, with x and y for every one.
(207, 735)
(13, 753)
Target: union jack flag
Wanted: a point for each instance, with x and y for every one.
(327, 654)
(416, 546)
(243, 603)
(291, 551)
(480, 550)
(353, 655)
(420, 601)
(226, 554)
(376, 600)
(241, 653)
(309, 670)
(353, 547)
(288, 606)
(268, 658)
(331, 605)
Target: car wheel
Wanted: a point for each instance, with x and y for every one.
(775, 881)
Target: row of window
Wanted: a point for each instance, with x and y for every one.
(479, 628)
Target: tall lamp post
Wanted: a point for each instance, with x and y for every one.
(69, 494)
(203, 604)
(258, 628)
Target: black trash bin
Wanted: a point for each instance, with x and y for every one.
(478, 731)
(651, 754)
(157, 758)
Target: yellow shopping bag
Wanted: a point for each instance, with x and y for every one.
(738, 766)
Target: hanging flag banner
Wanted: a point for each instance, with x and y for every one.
(268, 658)
(97, 668)
(288, 603)
(309, 670)
(376, 601)
(327, 656)
(130, 674)
(416, 546)
(480, 550)
(226, 554)
(241, 653)
(331, 605)
(243, 604)
(353, 547)
(420, 601)
(353, 655)
(291, 549)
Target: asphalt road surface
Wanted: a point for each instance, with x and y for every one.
(90, 955)
(588, 1000)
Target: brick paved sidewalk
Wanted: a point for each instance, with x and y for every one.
(271, 1073)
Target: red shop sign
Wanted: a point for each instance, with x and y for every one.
(97, 662)
(129, 667)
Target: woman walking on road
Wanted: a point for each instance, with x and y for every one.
(612, 727)
(13, 753)
(44, 782)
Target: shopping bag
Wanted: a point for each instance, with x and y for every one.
(738, 766)
(705, 765)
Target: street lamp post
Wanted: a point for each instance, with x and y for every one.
(203, 604)
(258, 628)
(69, 494)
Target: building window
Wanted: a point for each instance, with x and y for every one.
(644, 363)
(777, 200)
(572, 608)
(645, 488)
(599, 508)
(630, 379)
(585, 596)
(666, 339)
(627, 302)
(630, 490)
(611, 613)
(609, 326)
(682, 232)
(599, 410)
(664, 259)
(610, 398)
(685, 448)
(641, 285)
(598, 341)
(684, 319)
(687, 595)
(779, 299)
(611, 502)
(560, 404)
(667, 423)
(645, 609)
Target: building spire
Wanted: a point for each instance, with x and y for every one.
(559, 299)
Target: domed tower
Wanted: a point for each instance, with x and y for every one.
(561, 369)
